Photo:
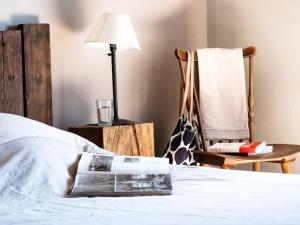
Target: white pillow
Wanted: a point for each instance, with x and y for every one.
(37, 158)
(37, 166)
(13, 127)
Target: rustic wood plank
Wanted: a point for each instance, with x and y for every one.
(37, 71)
(11, 75)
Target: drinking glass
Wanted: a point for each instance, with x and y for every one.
(104, 111)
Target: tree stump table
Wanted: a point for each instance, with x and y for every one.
(132, 140)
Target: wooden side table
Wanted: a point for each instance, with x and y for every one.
(132, 140)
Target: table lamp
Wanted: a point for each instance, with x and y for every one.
(114, 31)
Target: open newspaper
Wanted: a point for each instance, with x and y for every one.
(108, 175)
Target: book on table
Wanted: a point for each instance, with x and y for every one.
(241, 148)
(109, 175)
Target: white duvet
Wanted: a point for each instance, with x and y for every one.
(36, 170)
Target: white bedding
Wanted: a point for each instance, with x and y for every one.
(201, 196)
(36, 170)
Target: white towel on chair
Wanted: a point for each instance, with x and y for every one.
(223, 99)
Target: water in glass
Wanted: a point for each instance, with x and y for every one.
(104, 112)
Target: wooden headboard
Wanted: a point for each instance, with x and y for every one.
(25, 72)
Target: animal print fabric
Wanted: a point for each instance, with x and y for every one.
(180, 148)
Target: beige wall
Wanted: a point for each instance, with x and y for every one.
(273, 27)
(148, 80)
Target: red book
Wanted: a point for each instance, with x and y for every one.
(253, 147)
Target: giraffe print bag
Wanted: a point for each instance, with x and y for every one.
(184, 138)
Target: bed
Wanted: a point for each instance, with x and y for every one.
(37, 167)
(38, 164)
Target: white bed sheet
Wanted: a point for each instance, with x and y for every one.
(201, 196)
(36, 164)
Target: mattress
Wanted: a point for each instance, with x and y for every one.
(201, 196)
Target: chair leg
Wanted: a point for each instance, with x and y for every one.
(285, 167)
(256, 166)
(204, 164)
(226, 166)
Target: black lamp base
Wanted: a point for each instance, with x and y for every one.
(120, 122)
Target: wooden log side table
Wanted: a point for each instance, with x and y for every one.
(132, 140)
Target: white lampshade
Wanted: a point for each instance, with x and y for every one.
(113, 28)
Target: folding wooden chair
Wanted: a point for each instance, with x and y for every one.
(282, 153)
